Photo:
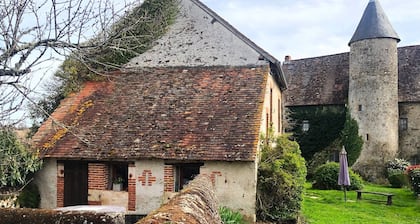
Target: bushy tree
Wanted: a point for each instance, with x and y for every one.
(351, 139)
(17, 163)
(281, 178)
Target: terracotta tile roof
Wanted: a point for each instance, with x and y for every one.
(324, 80)
(209, 113)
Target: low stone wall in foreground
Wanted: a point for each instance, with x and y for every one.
(196, 204)
(42, 216)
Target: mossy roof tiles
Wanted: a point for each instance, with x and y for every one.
(184, 113)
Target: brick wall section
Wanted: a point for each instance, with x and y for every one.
(131, 190)
(168, 178)
(196, 204)
(60, 191)
(98, 176)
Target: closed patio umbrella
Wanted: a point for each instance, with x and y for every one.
(343, 175)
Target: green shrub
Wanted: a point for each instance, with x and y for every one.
(29, 197)
(281, 179)
(395, 171)
(326, 178)
(398, 180)
(229, 216)
(415, 180)
(18, 163)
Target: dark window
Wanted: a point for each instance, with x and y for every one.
(403, 124)
(118, 175)
(360, 108)
(184, 173)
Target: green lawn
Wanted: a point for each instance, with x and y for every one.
(328, 206)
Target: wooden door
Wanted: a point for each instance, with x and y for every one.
(75, 183)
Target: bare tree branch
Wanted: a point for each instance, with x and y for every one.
(33, 31)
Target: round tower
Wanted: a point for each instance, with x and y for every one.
(373, 90)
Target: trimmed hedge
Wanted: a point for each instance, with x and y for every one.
(326, 178)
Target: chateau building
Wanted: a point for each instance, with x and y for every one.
(376, 81)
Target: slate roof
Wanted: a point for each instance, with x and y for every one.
(324, 80)
(374, 24)
(194, 113)
(317, 81)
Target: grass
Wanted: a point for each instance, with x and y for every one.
(328, 206)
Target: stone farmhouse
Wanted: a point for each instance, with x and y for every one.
(376, 81)
(197, 102)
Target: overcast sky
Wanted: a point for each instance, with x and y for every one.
(311, 28)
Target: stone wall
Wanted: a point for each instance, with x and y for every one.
(409, 139)
(197, 203)
(41, 216)
(373, 103)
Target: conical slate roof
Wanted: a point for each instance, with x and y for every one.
(374, 24)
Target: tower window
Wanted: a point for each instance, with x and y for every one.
(305, 126)
(403, 124)
(360, 107)
(367, 137)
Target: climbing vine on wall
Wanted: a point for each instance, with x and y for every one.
(329, 126)
(325, 125)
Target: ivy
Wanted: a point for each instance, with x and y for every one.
(325, 125)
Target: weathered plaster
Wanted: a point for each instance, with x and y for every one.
(275, 106)
(149, 185)
(108, 197)
(46, 180)
(235, 184)
(197, 39)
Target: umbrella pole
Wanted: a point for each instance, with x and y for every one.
(345, 196)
